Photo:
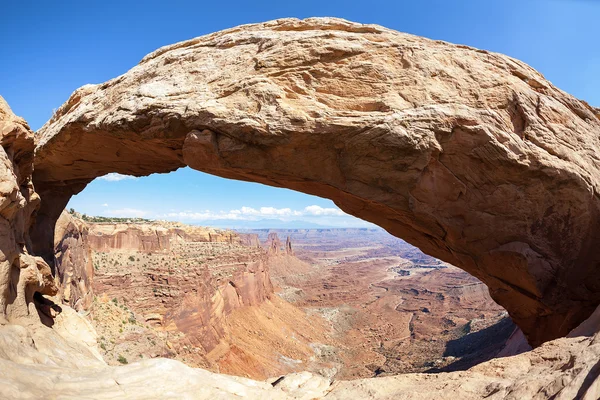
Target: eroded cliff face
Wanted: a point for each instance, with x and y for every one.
(22, 275)
(73, 262)
(194, 294)
(472, 156)
(187, 291)
(152, 236)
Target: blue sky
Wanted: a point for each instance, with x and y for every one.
(50, 48)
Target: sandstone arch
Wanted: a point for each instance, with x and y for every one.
(472, 156)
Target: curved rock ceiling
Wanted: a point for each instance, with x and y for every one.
(472, 156)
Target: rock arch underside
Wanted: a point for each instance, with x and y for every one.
(472, 156)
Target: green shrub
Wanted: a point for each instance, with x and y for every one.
(122, 359)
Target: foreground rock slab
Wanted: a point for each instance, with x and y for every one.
(61, 365)
(472, 156)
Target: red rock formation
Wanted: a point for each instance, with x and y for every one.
(273, 244)
(197, 290)
(525, 219)
(187, 279)
(472, 156)
(200, 310)
(250, 239)
(152, 236)
(73, 262)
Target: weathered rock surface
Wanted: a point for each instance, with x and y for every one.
(73, 262)
(153, 236)
(250, 239)
(21, 274)
(273, 244)
(191, 277)
(189, 293)
(53, 367)
(472, 156)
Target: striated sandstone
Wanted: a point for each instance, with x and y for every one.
(190, 293)
(75, 240)
(472, 156)
(250, 239)
(191, 283)
(153, 236)
(73, 262)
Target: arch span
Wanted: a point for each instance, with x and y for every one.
(472, 156)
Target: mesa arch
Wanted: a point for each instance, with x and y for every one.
(472, 156)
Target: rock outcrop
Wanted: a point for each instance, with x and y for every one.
(23, 277)
(250, 239)
(273, 244)
(563, 369)
(195, 294)
(73, 262)
(472, 156)
(191, 277)
(74, 241)
(153, 236)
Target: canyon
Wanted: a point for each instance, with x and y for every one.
(190, 293)
(347, 303)
(392, 308)
(472, 156)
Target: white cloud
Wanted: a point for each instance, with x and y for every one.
(114, 177)
(105, 205)
(266, 212)
(254, 214)
(128, 213)
(317, 210)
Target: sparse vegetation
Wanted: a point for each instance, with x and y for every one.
(100, 219)
(122, 359)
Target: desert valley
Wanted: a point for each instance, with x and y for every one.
(344, 303)
(487, 169)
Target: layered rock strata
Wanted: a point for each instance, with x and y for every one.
(185, 278)
(472, 156)
(153, 236)
(189, 293)
(73, 262)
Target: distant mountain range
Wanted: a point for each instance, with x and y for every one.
(265, 224)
